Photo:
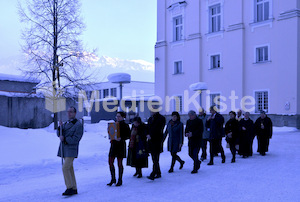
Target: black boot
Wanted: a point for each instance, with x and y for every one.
(136, 172)
(120, 177)
(139, 171)
(172, 164)
(211, 162)
(113, 176)
(223, 156)
(233, 159)
(181, 164)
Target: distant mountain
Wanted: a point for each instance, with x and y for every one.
(101, 67)
(139, 70)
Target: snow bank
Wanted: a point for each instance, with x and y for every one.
(284, 129)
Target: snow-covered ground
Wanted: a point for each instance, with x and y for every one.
(30, 171)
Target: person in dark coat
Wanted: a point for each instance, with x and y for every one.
(215, 125)
(156, 124)
(137, 150)
(175, 141)
(264, 131)
(232, 132)
(194, 130)
(70, 134)
(246, 127)
(118, 149)
(205, 135)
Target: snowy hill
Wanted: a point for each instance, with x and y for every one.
(30, 171)
(101, 67)
(139, 70)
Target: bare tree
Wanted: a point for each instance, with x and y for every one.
(53, 49)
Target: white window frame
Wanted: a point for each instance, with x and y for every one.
(210, 61)
(174, 64)
(256, 102)
(256, 61)
(174, 103)
(218, 17)
(211, 102)
(263, 2)
(175, 28)
(269, 22)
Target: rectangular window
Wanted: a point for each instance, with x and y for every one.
(105, 93)
(215, 61)
(177, 28)
(262, 54)
(113, 92)
(215, 18)
(215, 100)
(262, 10)
(261, 101)
(178, 67)
(177, 104)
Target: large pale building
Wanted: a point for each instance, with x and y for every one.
(238, 48)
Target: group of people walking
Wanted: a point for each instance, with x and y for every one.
(239, 133)
(145, 139)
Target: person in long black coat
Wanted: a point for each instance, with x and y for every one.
(175, 141)
(215, 125)
(232, 133)
(156, 124)
(264, 131)
(247, 136)
(137, 150)
(118, 149)
(194, 130)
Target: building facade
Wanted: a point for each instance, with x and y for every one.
(135, 95)
(246, 51)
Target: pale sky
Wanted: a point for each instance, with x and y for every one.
(124, 29)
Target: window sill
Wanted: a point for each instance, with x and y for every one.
(216, 69)
(268, 22)
(214, 34)
(263, 62)
(174, 43)
(178, 73)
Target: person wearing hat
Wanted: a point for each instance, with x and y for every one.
(264, 131)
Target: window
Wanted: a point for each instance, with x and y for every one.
(215, 18)
(177, 28)
(261, 10)
(215, 61)
(215, 100)
(261, 101)
(262, 54)
(178, 67)
(113, 92)
(177, 104)
(105, 93)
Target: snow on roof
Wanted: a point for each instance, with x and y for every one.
(10, 94)
(119, 78)
(19, 78)
(198, 86)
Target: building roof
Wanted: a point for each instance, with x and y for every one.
(18, 78)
